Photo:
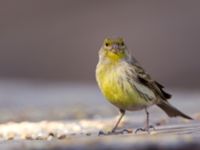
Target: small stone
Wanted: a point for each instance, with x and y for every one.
(88, 134)
(51, 134)
(10, 136)
(28, 137)
(62, 136)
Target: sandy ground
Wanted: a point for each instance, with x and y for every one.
(83, 134)
(44, 116)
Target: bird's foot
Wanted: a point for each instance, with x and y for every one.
(114, 132)
(146, 129)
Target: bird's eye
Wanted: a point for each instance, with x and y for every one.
(107, 44)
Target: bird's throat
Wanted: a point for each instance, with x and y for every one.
(114, 57)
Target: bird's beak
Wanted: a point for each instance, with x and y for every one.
(115, 48)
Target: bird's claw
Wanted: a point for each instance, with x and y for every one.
(113, 132)
(146, 129)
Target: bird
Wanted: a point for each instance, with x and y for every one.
(126, 85)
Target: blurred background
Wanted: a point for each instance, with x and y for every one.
(49, 51)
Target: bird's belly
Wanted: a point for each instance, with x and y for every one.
(122, 94)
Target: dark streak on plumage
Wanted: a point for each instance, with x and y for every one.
(120, 82)
(130, 81)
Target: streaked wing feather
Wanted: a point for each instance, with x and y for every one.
(155, 86)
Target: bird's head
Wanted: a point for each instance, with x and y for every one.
(114, 49)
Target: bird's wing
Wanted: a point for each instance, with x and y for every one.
(145, 79)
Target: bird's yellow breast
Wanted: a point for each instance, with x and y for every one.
(113, 83)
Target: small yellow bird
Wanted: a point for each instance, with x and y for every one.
(126, 85)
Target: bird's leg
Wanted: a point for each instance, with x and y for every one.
(118, 121)
(147, 126)
(147, 120)
(113, 131)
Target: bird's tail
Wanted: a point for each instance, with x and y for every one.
(171, 111)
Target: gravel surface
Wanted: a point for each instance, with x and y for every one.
(44, 117)
(84, 135)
